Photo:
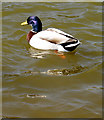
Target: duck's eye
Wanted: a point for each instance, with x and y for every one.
(29, 19)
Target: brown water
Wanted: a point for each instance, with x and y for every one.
(40, 84)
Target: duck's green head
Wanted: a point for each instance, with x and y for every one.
(35, 22)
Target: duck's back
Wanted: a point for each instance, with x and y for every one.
(53, 35)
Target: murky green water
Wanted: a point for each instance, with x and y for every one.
(40, 84)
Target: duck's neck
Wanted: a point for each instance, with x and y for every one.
(37, 27)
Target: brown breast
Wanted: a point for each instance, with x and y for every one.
(29, 35)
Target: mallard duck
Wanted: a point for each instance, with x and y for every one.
(49, 39)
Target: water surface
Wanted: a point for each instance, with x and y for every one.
(40, 84)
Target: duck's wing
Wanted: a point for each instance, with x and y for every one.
(55, 36)
(60, 32)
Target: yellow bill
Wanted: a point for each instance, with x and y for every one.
(24, 23)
